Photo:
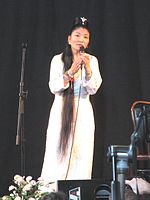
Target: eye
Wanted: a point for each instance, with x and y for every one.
(77, 35)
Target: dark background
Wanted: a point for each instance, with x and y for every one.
(121, 42)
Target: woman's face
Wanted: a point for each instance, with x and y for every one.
(79, 37)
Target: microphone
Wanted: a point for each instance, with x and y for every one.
(82, 50)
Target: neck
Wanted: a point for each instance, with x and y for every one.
(76, 54)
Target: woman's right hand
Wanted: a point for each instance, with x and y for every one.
(76, 65)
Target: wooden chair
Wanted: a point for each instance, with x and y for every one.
(140, 111)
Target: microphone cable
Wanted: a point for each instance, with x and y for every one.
(74, 127)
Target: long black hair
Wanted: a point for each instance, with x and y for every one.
(68, 94)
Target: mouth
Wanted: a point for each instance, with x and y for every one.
(80, 45)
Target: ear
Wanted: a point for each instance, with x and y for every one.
(69, 39)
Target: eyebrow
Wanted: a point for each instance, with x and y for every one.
(83, 34)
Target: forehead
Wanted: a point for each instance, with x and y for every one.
(81, 30)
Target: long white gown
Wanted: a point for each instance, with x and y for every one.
(79, 158)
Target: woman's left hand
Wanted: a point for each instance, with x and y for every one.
(86, 60)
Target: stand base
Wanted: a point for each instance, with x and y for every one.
(85, 189)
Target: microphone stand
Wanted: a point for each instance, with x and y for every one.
(119, 156)
(20, 139)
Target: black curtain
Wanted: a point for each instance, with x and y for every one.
(121, 42)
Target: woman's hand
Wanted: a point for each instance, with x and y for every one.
(86, 60)
(76, 65)
(82, 61)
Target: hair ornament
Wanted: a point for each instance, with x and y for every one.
(83, 19)
(80, 22)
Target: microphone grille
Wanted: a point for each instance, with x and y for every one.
(82, 49)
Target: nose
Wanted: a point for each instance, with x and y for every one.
(81, 38)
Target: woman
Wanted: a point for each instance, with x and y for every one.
(74, 76)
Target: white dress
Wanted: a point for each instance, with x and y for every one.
(79, 158)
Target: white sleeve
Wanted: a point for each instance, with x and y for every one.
(95, 81)
(56, 82)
